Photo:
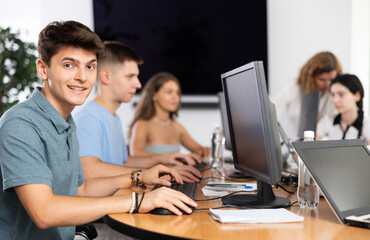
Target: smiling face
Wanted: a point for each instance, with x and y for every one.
(323, 81)
(168, 97)
(125, 81)
(69, 78)
(343, 99)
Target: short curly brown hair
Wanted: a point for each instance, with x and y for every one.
(70, 33)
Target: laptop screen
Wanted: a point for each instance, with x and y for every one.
(344, 172)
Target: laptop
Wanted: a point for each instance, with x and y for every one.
(341, 169)
(309, 112)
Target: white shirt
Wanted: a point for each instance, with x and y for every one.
(330, 129)
(288, 108)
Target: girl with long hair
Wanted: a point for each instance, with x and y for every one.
(154, 129)
(347, 96)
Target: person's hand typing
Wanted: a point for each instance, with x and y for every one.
(178, 159)
(188, 173)
(154, 176)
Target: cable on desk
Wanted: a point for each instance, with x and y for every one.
(292, 204)
(206, 169)
(291, 192)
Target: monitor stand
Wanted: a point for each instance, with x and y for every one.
(265, 198)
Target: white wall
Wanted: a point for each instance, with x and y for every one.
(297, 29)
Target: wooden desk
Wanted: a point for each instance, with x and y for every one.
(320, 223)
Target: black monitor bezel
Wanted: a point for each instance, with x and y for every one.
(272, 143)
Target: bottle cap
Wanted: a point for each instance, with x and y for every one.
(309, 134)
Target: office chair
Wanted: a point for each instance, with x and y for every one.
(86, 232)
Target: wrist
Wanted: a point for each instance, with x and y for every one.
(135, 179)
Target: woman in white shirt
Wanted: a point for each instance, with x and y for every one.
(347, 96)
(315, 75)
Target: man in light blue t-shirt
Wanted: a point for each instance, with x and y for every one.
(103, 149)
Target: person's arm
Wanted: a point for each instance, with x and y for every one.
(198, 151)
(100, 187)
(95, 168)
(323, 128)
(187, 172)
(49, 210)
(138, 142)
(139, 139)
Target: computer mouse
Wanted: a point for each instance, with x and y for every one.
(164, 211)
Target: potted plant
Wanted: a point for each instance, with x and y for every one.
(17, 68)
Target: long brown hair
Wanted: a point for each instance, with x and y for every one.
(354, 85)
(322, 62)
(145, 109)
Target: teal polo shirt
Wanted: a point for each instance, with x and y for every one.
(37, 146)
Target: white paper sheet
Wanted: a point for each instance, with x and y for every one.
(279, 215)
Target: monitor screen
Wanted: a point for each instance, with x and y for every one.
(225, 124)
(254, 134)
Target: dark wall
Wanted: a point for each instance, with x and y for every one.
(195, 40)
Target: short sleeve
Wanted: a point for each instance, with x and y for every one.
(90, 136)
(22, 160)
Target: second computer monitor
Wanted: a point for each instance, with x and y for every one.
(254, 134)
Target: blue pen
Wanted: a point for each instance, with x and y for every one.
(229, 185)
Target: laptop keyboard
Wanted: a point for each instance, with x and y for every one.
(189, 189)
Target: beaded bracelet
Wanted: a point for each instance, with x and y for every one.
(140, 185)
(133, 203)
(136, 181)
(133, 178)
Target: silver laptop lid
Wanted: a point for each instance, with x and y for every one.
(341, 169)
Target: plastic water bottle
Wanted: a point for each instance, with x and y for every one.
(308, 192)
(217, 148)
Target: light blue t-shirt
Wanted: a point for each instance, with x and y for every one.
(100, 134)
(37, 146)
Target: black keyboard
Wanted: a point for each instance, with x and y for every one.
(189, 189)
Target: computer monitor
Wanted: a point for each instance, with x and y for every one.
(254, 135)
(225, 124)
(309, 112)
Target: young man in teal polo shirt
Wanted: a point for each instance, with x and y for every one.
(44, 193)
